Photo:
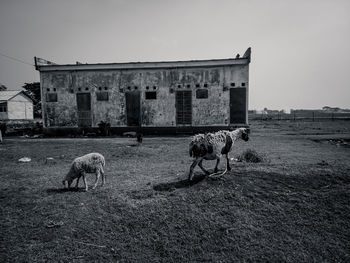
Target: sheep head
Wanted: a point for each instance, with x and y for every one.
(244, 134)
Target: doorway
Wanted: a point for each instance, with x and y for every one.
(184, 107)
(84, 109)
(238, 105)
(133, 108)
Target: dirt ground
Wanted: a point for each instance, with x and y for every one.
(293, 207)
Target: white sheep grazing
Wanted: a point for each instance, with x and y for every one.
(212, 146)
(89, 163)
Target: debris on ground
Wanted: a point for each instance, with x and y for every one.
(35, 136)
(24, 160)
(130, 134)
(323, 163)
(50, 160)
(340, 142)
(52, 224)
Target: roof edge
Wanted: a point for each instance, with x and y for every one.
(147, 65)
(22, 92)
(14, 93)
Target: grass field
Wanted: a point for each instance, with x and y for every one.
(294, 207)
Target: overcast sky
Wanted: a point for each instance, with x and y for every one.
(300, 49)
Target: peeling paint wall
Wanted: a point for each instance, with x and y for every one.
(161, 111)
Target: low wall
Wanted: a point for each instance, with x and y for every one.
(75, 131)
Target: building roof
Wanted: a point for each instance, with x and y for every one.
(9, 94)
(149, 65)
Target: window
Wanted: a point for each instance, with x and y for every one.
(205, 85)
(51, 97)
(3, 107)
(151, 95)
(102, 96)
(243, 84)
(233, 84)
(201, 93)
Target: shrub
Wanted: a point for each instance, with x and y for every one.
(251, 156)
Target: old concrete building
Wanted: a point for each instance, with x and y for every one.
(15, 105)
(155, 97)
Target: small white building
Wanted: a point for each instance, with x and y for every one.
(15, 105)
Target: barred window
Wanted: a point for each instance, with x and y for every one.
(51, 97)
(201, 93)
(102, 96)
(151, 95)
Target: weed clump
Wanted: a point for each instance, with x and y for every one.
(251, 156)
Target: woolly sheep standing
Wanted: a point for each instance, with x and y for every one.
(89, 163)
(212, 146)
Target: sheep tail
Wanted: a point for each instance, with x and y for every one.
(199, 149)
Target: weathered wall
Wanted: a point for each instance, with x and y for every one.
(20, 107)
(160, 112)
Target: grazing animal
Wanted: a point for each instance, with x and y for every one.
(212, 146)
(89, 163)
(139, 137)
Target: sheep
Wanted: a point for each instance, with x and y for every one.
(89, 163)
(212, 146)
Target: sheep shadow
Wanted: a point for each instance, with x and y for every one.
(179, 184)
(64, 190)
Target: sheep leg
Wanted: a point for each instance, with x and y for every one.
(77, 183)
(217, 164)
(193, 165)
(216, 174)
(228, 167)
(97, 177)
(103, 177)
(83, 174)
(201, 166)
(69, 182)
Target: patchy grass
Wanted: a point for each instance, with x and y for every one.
(294, 208)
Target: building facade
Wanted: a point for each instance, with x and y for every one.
(15, 105)
(152, 97)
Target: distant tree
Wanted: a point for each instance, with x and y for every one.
(33, 90)
(2, 87)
